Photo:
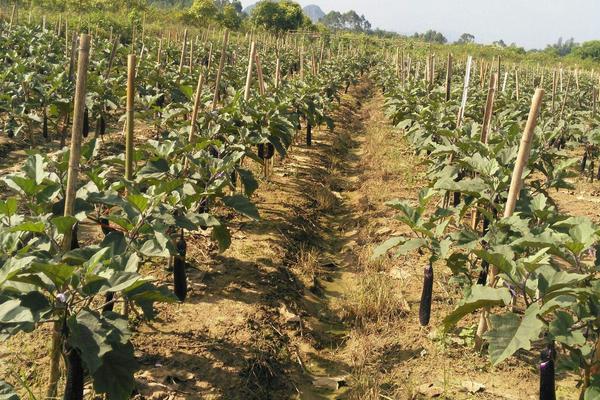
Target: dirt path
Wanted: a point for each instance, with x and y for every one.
(264, 320)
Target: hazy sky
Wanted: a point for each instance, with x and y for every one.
(529, 23)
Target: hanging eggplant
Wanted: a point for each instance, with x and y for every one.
(10, 128)
(485, 266)
(179, 272)
(203, 209)
(308, 134)
(270, 151)
(45, 125)
(160, 102)
(75, 376)
(233, 176)
(86, 123)
(74, 240)
(100, 125)
(583, 161)
(547, 382)
(266, 151)
(426, 296)
(105, 226)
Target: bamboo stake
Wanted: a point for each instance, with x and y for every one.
(594, 101)
(12, 16)
(449, 77)
(249, 72)
(72, 57)
(70, 195)
(463, 103)
(489, 108)
(113, 52)
(131, 63)
(259, 71)
(565, 96)
(183, 48)
(220, 70)
(159, 51)
(277, 72)
(302, 62)
(197, 99)
(499, 66)
(513, 193)
(518, 89)
(191, 56)
(561, 79)
(485, 128)
(554, 84)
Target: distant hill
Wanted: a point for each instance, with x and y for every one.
(312, 11)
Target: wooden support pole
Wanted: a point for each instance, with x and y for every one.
(129, 154)
(499, 66)
(220, 70)
(554, 84)
(449, 77)
(183, 48)
(249, 72)
(463, 103)
(277, 72)
(514, 190)
(489, 108)
(259, 72)
(485, 127)
(517, 87)
(70, 194)
(197, 99)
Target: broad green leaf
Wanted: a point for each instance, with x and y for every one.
(561, 330)
(23, 309)
(140, 202)
(248, 181)
(387, 245)
(221, 234)
(29, 226)
(477, 297)
(510, 332)
(64, 224)
(115, 376)
(410, 245)
(95, 336)
(21, 184)
(593, 391)
(242, 205)
(59, 274)
(8, 207)
(7, 392)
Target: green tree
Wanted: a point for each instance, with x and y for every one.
(350, 21)
(431, 36)
(278, 16)
(466, 38)
(562, 47)
(588, 50)
(230, 17)
(204, 9)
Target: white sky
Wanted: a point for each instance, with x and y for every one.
(529, 23)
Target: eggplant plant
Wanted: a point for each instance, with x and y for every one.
(545, 294)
